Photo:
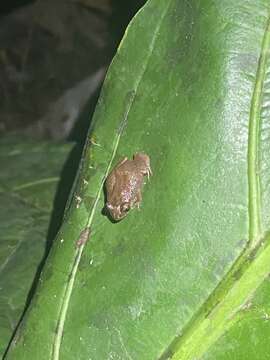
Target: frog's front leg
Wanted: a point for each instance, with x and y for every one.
(147, 172)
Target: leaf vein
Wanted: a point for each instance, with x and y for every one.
(255, 232)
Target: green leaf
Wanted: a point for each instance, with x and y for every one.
(28, 180)
(248, 337)
(189, 86)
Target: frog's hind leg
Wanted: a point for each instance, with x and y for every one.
(121, 162)
(110, 183)
(111, 179)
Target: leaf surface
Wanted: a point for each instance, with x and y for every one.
(188, 87)
(28, 180)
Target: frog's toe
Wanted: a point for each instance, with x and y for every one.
(149, 173)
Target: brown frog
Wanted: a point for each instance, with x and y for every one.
(124, 185)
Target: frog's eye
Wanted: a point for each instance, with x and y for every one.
(125, 208)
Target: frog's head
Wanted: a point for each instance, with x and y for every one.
(118, 212)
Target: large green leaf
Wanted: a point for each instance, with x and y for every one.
(189, 87)
(28, 180)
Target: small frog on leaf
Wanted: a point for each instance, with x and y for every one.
(124, 185)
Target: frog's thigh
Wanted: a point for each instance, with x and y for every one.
(121, 162)
(110, 182)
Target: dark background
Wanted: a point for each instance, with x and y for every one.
(47, 48)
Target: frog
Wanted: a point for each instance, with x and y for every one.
(124, 185)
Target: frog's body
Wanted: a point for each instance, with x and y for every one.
(124, 185)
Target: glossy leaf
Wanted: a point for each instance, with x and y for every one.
(28, 181)
(249, 331)
(188, 87)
